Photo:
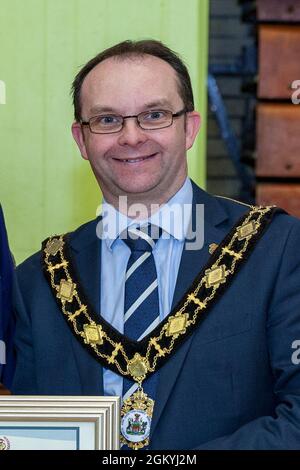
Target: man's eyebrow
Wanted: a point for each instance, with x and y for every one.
(158, 103)
(103, 109)
(109, 109)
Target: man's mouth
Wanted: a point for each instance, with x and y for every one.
(136, 160)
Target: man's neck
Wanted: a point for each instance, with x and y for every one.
(141, 207)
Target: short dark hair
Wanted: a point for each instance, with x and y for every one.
(137, 48)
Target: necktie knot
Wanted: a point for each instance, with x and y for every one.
(142, 239)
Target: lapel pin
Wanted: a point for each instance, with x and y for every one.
(212, 248)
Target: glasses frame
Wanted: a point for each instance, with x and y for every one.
(136, 117)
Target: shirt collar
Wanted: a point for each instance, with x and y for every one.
(173, 217)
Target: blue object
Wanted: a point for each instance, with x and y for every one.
(6, 311)
(244, 66)
(228, 136)
(141, 308)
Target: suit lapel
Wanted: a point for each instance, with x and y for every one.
(192, 261)
(85, 248)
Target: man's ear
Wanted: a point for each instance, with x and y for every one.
(193, 123)
(79, 139)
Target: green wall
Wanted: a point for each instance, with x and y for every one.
(45, 186)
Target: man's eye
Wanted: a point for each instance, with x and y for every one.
(155, 115)
(108, 120)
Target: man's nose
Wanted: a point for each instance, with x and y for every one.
(132, 134)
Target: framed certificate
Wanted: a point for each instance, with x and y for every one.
(59, 422)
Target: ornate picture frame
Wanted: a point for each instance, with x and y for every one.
(59, 423)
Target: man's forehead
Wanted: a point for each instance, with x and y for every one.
(131, 62)
(146, 74)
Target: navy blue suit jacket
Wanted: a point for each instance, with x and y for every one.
(232, 384)
(6, 310)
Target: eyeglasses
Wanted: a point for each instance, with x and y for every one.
(148, 120)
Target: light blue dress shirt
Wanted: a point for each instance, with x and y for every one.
(173, 218)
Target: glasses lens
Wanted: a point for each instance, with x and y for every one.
(106, 123)
(155, 119)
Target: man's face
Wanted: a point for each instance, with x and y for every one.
(146, 165)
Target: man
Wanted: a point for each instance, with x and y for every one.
(7, 360)
(196, 339)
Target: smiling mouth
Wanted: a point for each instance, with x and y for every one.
(135, 160)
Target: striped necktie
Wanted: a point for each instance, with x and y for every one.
(141, 308)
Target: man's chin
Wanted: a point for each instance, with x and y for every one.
(139, 194)
(133, 189)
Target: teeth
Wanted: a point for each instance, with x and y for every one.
(135, 160)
